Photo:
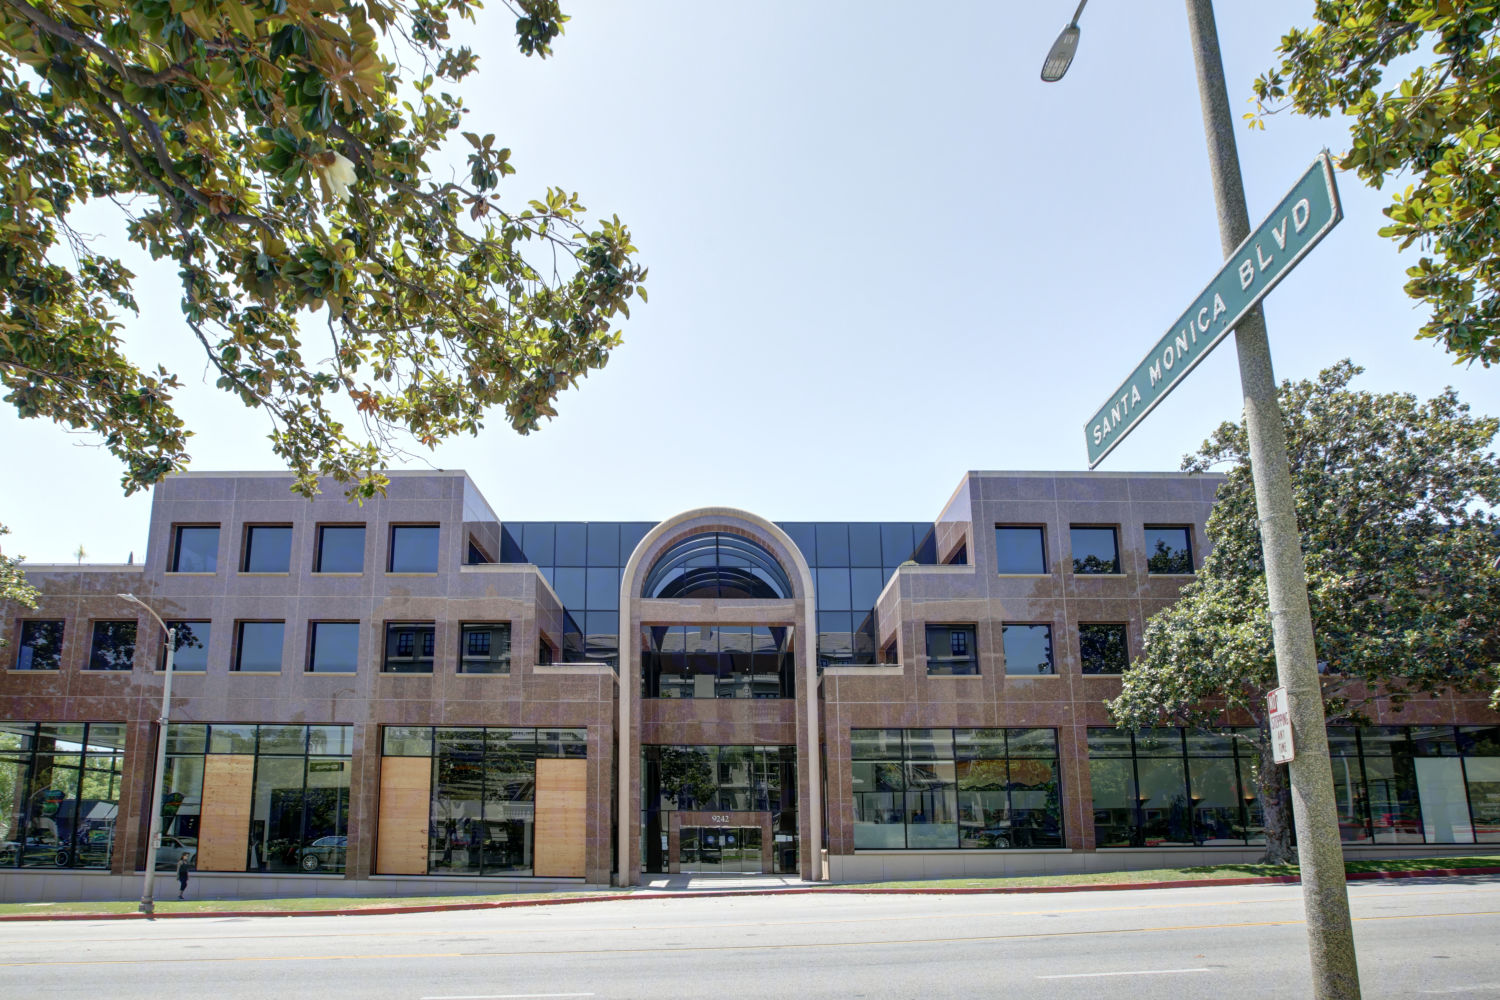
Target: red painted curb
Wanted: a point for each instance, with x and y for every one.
(800, 891)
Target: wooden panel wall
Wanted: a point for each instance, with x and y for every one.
(405, 794)
(224, 829)
(561, 809)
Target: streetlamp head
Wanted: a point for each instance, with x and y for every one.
(1061, 55)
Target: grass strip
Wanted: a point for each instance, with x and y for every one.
(1185, 874)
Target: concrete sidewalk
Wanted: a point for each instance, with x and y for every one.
(696, 886)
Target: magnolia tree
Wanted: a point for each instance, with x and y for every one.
(277, 155)
(1396, 504)
(1433, 126)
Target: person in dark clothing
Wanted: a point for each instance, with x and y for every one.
(182, 874)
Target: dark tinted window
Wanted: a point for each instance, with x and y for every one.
(335, 648)
(1028, 649)
(112, 646)
(896, 544)
(191, 649)
(951, 649)
(196, 550)
(408, 648)
(864, 545)
(603, 543)
(1168, 550)
(572, 544)
(341, 549)
(833, 545)
(414, 548)
(1102, 649)
(40, 645)
(258, 647)
(268, 548)
(537, 541)
(484, 649)
(1095, 550)
(603, 588)
(1019, 550)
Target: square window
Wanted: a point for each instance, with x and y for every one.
(191, 649)
(341, 549)
(1103, 649)
(1019, 549)
(268, 549)
(113, 646)
(40, 646)
(477, 643)
(1028, 649)
(408, 648)
(1095, 550)
(1168, 549)
(414, 548)
(951, 650)
(257, 647)
(334, 648)
(195, 549)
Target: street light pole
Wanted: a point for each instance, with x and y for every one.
(1325, 897)
(153, 837)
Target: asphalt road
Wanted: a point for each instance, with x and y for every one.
(1417, 938)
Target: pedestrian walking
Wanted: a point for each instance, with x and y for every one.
(182, 874)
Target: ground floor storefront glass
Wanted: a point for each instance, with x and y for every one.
(1392, 785)
(256, 798)
(713, 808)
(944, 789)
(481, 798)
(59, 791)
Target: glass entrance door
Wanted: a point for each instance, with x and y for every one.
(714, 849)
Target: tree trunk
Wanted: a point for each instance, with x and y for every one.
(1276, 804)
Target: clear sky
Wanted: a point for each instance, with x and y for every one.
(882, 253)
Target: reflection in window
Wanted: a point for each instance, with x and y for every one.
(1019, 549)
(299, 799)
(485, 649)
(716, 564)
(190, 651)
(40, 647)
(268, 548)
(1028, 649)
(480, 818)
(414, 548)
(1095, 550)
(1168, 550)
(113, 646)
(334, 648)
(409, 648)
(341, 549)
(258, 647)
(744, 779)
(1102, 649)
(195, 549)
(951, 649)
(716, 661)
(59, 791)
(963, 788)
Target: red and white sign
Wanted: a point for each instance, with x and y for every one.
(1281, 725)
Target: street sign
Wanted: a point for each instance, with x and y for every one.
(1279, 714)
(1303, 218)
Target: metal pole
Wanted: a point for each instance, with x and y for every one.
(1325, 898)
(153, 836)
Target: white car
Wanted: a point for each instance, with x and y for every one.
(172, 848)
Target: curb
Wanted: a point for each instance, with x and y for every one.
(617, 897)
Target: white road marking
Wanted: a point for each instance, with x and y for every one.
(1142, 972)
(509, 996)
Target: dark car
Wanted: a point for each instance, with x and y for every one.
(325, 852)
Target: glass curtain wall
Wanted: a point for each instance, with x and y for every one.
(481, 813)
(851, 564)
(717, 661)
(740, 779)
(299, 793)
(1392, 785)
(59, 792)
(946, 789)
